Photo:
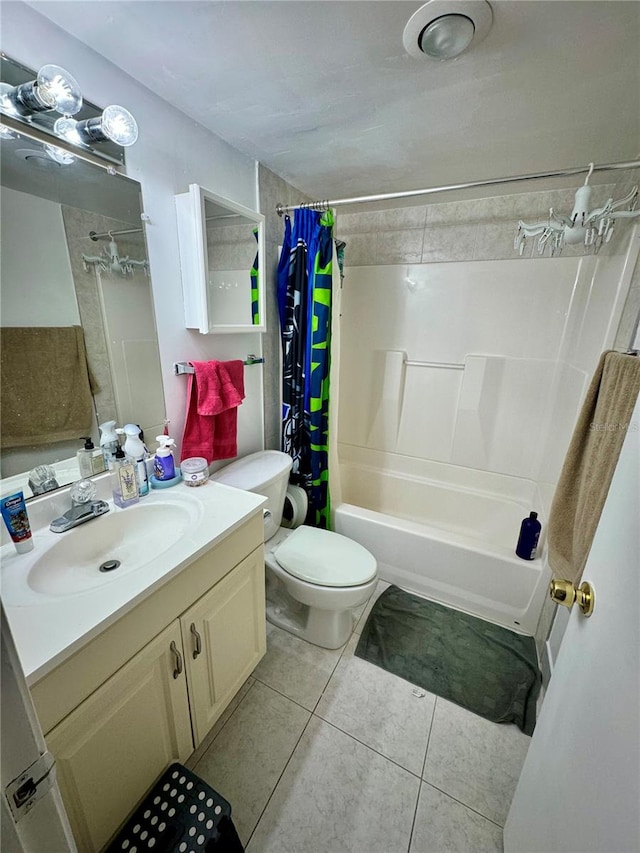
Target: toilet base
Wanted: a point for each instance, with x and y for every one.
(328, 629)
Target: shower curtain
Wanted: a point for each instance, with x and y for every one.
(305, 275)
(254, 273)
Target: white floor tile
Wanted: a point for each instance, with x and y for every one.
(474, 760)
(220, 723)
(379, 709)
(296, 668)
(245, 761)
(337, 796)
(443, 825)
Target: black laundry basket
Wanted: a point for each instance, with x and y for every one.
(181, 814)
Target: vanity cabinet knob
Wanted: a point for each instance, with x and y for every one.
(198, 640)
(178, 669)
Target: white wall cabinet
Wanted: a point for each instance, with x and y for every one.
(150, 688)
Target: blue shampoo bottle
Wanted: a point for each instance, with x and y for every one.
(528, 539)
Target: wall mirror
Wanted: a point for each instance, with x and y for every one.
(74, 270)
(221, 255)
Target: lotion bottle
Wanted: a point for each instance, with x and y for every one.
(90, 458)
(135, 450)
(164, 467)
(124, 481)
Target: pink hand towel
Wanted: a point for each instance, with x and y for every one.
(215, 391)
(225, 442)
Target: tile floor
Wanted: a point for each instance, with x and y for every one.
(323, 752)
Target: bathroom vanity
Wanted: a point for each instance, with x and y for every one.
(130, 675)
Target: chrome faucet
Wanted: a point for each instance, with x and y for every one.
(84, 507)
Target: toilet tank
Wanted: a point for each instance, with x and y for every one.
(265, 473)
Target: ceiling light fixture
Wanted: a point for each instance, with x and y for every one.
(115, 123)
(53, 89)
(592, 228)
(443, 29)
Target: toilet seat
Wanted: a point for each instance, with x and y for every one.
(325, 558)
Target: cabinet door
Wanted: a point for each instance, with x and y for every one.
(110, 750)
(224, 636)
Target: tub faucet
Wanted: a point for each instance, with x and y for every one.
(84, 507)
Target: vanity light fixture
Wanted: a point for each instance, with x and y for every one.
(592, 228)
(53, 89)
(116, 123)
(50, 102)
(443, 29)
(59, 155)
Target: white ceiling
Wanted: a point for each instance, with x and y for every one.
(324, 94)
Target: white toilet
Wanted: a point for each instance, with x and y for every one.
(315, 578)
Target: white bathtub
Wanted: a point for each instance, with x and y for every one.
(445, 532)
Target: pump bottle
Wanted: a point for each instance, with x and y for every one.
(164, 467)
(124, 481)
(90, 458)
(135, 450)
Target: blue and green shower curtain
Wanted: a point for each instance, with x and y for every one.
(305, 274)
(254, 274)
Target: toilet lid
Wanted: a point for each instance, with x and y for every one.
(325, 558)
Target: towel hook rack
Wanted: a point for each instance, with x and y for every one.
(180, 367)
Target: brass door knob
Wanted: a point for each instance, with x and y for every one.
(564, 592)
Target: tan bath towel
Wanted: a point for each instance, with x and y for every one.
(590, 462)
(45, 394)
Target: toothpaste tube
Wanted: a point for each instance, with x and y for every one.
(14, 513)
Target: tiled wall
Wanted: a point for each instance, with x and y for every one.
(481, 229)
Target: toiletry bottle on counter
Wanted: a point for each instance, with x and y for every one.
(529, 535)
(164, 467)
(14, 513)
(108, 441)
(124, 481)
(90, 458)
(135, 450)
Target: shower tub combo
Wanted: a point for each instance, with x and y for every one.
(445, 532)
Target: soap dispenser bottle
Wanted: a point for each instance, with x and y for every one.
(124, 481)
(164, 467)
(108, 441)
(528, 539)
(135, 450)
(90, 458)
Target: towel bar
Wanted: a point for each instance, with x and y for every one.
(180, 367)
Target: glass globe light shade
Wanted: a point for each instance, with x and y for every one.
(115, 123)
(447, 36)
(57, 89)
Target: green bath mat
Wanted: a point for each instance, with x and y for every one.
(482, 667)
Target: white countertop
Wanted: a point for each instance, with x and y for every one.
(47, 629)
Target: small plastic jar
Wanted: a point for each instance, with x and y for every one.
(195, 471)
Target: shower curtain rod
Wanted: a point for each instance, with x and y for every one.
(560, 173)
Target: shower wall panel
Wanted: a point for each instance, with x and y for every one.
(487, 336)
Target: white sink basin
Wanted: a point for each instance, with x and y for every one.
(121, 542)
(131, 538)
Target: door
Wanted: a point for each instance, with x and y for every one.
(224, 637)
(580, 785)
(28, 779)
(112, 748)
